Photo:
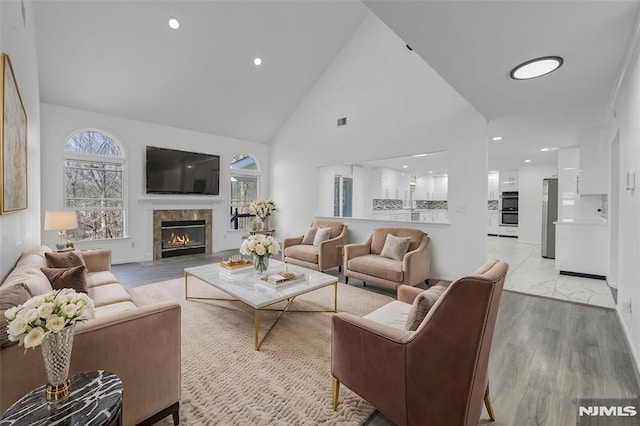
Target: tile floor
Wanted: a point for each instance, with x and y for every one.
(530, 273)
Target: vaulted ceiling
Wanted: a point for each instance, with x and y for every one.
(121, 58)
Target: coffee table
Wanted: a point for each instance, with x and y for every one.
(244, 287)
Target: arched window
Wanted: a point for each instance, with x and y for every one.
(93, 185)
(245, 175)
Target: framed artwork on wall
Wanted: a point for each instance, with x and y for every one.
(13, 143)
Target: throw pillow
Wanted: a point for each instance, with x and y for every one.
(322, 234)
(63, 260)
(309, 236)
(67, 278)
(395, 247)
(14, 295)
(421, 306)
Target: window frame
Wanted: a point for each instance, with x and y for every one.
(257, 173)
(121, 161)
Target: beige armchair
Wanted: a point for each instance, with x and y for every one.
(363, 261)
(435, 375)
(322, 257)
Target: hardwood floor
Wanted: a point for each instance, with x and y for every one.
(546, 353)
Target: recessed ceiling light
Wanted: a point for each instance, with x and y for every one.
(545, 149)
(173, 23)
(430, 171)
(496, 138)
(419, 155)
(493, 171)
(405, 167)
(257, 62)
(536, 67)
(527, 161)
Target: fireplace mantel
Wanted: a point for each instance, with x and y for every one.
(178, 202)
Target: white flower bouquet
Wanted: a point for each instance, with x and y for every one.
(261, 247)
(42, 315)
(262, 208)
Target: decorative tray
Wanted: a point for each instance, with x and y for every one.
(233, 266)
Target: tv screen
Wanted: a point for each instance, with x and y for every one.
(170, 171)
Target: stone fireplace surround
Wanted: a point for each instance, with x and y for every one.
(160, 216)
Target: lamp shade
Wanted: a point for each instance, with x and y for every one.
(60, 221)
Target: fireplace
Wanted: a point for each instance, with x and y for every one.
(182, 232)
(182, 237)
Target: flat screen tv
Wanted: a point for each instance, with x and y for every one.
(170, 171)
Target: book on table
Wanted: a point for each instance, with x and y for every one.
(280, 279)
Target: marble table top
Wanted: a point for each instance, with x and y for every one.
(95, 399)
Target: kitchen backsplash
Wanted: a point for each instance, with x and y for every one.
(492, 205)
(431, 204)
(387, 204)
(391, 204)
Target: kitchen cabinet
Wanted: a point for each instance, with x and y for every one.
(493, 222)
(508, 231)
(508, 180)
(493, 186)
(582, 247)
(440, 190)
(594, 167)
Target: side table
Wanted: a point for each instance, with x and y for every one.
(96, 400)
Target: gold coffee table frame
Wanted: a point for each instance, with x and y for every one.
(256, 311)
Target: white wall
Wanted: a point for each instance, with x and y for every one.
(59, 123)
(627, 123)
(395, 105)
(530, 201)
(20, 231)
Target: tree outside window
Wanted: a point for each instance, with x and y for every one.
(94, 172)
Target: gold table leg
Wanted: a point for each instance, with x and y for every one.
(256, 312)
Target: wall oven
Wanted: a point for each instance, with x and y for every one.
(509, 218)
(509, 201)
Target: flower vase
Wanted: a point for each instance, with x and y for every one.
(56, 353)
(260, 263)
(264, 224)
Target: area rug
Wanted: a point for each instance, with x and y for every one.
(225, 381)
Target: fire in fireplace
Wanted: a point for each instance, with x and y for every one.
(183, 237)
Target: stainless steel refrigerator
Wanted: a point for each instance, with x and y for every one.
(549, 215)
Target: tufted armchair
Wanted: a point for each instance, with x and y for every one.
(321, 257)
(435, 375)
(363, 261)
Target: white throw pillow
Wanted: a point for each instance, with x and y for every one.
(395, 247)
(309, 236)
(322, 234)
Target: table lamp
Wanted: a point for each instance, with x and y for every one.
(60, 221)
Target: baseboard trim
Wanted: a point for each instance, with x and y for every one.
(629, 341)
(581, 275)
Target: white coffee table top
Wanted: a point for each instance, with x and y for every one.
(245, 286)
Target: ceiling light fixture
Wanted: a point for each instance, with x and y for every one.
(496, 138)
(419, 155)
(257, 62)
(405, 167)
(527, 161)
(536, 67)
(545, 149)
(173, 23)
